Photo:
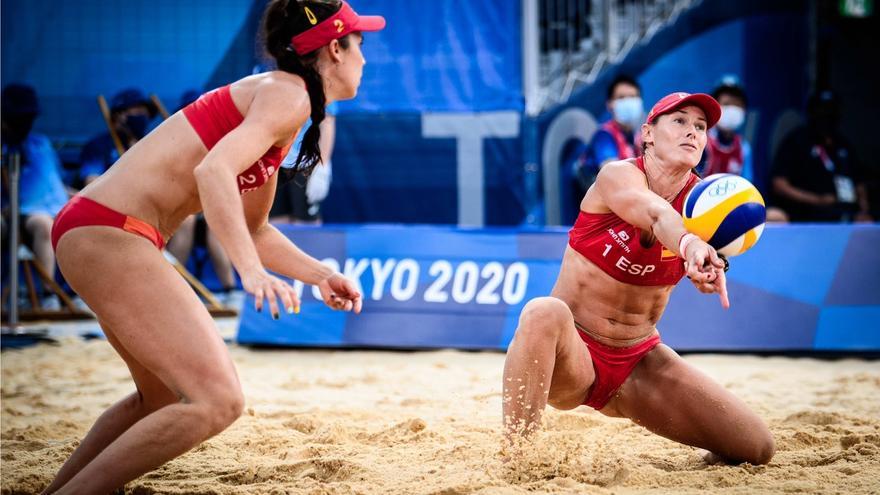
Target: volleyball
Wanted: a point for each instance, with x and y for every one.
(726, 211)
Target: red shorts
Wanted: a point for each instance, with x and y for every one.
(613, 366)
(83, 212)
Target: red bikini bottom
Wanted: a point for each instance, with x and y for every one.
(613, 366)
(83, 212)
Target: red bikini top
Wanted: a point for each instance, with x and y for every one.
(619, 250)
(212, 116)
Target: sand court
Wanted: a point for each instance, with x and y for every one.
(373, 422)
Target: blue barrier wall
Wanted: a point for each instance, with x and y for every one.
(806, 287)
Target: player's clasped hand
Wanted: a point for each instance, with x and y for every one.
(706, 270)
(264, 286)
(340, 294)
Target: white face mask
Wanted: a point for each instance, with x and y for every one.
(732, 117)
(628, 111)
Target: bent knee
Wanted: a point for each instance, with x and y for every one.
(764, 450)
(759, 450)
(151, 402)
(542, 315)
(222, 408)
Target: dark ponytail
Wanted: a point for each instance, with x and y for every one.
(284, 19)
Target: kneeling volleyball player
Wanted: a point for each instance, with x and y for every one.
(594, 340)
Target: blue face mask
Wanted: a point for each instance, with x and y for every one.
(137, 125)
(628, 111)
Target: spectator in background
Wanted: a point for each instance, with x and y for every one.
(816, 176)
(194, 230)
(727, 151)
(41, 191)
(615, 139)
(130, 114)
(299, 200)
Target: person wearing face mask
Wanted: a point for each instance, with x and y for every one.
(130, 114)
(41, 191)
(816, 177)
(615, 139)
(727, 151)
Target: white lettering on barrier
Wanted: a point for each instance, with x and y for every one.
(464, 284)
(355, 270)
(516, 282)
(405, 280)
(441, 269)
(381, 272)
(494, 273)
(469, 283)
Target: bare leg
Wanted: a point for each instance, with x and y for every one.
(151, 395)
(546, 362)
(162, 325)
(149, 443)
(675, 400)
(40, 228)
(222, 265)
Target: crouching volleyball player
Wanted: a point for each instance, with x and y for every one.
(219, 155)
(594, 340)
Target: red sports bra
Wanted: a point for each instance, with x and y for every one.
(212, 116)
(617, 247)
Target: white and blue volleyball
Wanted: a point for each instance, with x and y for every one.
(726, 211)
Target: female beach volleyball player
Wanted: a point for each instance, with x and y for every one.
(594, 341)
(219, 155)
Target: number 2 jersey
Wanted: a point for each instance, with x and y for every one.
(213, 116)
(624, 251)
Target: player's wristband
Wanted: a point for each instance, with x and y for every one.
(683, 242)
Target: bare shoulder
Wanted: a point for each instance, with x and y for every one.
(620, 171)
(612, 176)
(279, 102)
(281, 93)
(278, 81)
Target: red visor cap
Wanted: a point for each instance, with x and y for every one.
(674, 101)
(334, 27)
